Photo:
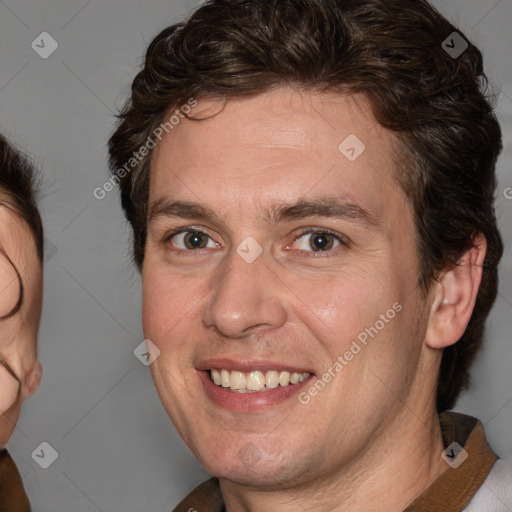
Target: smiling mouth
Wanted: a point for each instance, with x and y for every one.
(255, 381)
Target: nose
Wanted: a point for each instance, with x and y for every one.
(248, 297)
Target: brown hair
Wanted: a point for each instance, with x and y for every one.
(389, 50)
(18, 181)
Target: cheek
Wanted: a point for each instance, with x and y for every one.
(155, 303)
(345, 303)
(9, 285)
(162, 299)
(167, 301)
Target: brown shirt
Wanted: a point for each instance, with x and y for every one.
(452, 491)
(12, 493)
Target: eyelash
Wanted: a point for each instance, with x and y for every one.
(344, 242)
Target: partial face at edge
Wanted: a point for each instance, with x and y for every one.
(295, 306)
(18, 333)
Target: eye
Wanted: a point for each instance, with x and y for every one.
(314, 241)
(189, 240)
(319, 240)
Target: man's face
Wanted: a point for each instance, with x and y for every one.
(211, 301)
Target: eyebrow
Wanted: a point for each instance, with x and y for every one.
(329, 207)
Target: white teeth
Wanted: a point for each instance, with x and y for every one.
(256, 380)
(284, 378)
(238, 380)
(225, 380)
(272, 379)
(216, 377)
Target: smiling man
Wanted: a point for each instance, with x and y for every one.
(315, 299)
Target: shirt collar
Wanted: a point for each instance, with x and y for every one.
(12, 493)
(452, 490)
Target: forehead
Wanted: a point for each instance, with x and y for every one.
(277, 146)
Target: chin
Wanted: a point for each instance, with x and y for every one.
(246, 464)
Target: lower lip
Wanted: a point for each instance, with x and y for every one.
(248, 402)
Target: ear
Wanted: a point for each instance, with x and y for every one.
(10, 289)
(33, 379)
(455, 296)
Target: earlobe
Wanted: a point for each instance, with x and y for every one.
(33, 379)
(455, 297)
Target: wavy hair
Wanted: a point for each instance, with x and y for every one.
(390, 51)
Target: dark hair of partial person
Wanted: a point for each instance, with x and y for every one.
(18, 183)
(439, 107)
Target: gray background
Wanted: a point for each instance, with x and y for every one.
(117, 449)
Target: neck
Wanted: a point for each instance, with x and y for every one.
(403, 461)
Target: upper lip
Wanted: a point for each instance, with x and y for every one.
(246, 365)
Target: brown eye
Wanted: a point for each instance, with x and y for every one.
(318, 241)
(195, 240)
(321, 241)
(190, 240)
